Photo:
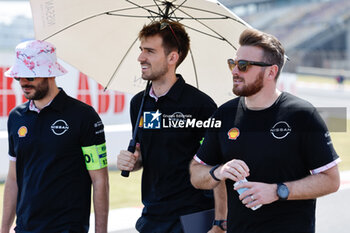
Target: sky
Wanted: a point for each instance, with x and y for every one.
(10, 9)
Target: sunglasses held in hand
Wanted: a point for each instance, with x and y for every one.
(243, 65)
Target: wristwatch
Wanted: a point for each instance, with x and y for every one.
(282, 191)
(221, 223)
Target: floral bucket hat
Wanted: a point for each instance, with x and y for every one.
(35, 59)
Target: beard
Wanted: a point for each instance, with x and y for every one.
(40, 91)
(250, 89)
(156, 74)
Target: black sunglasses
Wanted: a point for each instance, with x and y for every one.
(163, 25)
(28, 79)
(243, 65)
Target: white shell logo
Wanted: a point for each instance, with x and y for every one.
(59, 127)
(280, 130)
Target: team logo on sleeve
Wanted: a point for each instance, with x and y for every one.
(22, 131)
(233, 134)
(59, 127)
(151, 120)
(99, 127)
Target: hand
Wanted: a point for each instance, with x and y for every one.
(216, 229)
(234, 170)
(126, 160)
(257, 193)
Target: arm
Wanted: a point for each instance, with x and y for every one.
(310, 187)
(10, 199)
(314, 186)
(220, 197)
(201, 179)
(126, 161)
(100, 198)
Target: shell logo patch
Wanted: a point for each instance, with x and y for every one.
(22, 131)
(141, 122)
(233, 134)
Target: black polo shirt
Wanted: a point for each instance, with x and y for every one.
(167, 150)
(54, 186)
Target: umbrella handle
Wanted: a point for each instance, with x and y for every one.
(125, 173)
(132, 143)
(131, 148)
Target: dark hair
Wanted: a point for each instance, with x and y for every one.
(173, 34)
(272, 47)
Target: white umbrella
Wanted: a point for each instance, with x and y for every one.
(99, 38)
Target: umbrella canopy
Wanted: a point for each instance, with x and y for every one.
(99, 38)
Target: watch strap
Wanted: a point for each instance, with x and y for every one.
(221, 223)
(211, 172)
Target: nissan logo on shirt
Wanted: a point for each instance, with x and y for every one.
(280, 130)
(59, 127)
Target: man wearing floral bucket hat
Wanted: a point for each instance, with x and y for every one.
(56, 150)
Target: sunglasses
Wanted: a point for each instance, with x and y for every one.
(164, 25)
(28, 79)
(243, 65)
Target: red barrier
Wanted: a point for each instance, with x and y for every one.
(8, 97)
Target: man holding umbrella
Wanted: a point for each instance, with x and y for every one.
(278, 142)
(165, 143)
(56, 149)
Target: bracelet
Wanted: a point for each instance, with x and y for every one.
(211, 172)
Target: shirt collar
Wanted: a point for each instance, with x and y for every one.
(56, 103)
(33, 108)
(153, 95)
(174, 92)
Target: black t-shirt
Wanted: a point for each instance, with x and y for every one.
(281, 143)
(54, 186)
(167, 151)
